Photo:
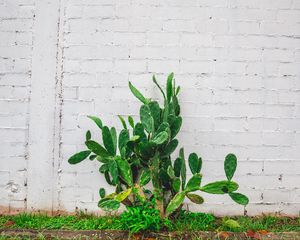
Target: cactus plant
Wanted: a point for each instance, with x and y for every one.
(134, 157)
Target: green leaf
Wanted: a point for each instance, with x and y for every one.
(169, 87)
(230, 165)
(140, 131)
(123, 139)
(176, 105)
(195, 163)
(159, 87)
(97, 148)
(123, 195)
(232, 224)
(177, 90)
(183, 169)
(155, 113)
(145, 177)
(175, 126)
(175, 203)
(96, 120)
(220, 187)
(176, 184)
(88, 135)
(104, 168)
(161, 138)
(78, 157)
(113, 134)
(170, 148)
(125, 170)
(113, 169)
(108, 140)
(103, 159)
(171, 172)
(107, 177)
(239, 198)
(194, 183)
(92, 157)
(177, 166)
(146, 118)
(109, 205)
(147, 149)
(131, 121)
(102, 192)
(123, 122)
(195, 198)
(137, 94)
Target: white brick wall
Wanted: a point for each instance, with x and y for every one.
(236, 60)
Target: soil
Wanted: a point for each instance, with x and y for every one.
(121, 235)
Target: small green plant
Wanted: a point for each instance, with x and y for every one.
(142, 152)
(142, 217)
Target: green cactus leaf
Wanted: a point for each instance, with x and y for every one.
(103, 159)
(175, 203)
(109, 205)
(102, 192)
(194, 183)
(123, 195)
(177, 90)
(164, 179)
(113, 134)
(92, 157)
(170, 148)
(123, 139)
(108, 140)
(140, 131)
(170, 87)
(162, 127)
(122, 121)
(183, 169)
(125, 170)
(159, 87)
(138, 94)
(195, 163)
(176, 105)
(171, 172)
(155, 113)
(230, 165)
(145, 177)
(195, 198)
(104, 168)
(78, 157)
(113, 170)
(176, 184)
(96, 120)
(146, 118)
(88, 135)
(239, 198)
(175, 126)
(161, 138)
(177, 166)
(97, 148)
(165, 112)
(147, 149)
(131, 121)
(107, 177)
(220, 187)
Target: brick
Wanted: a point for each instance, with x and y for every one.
(237, 63)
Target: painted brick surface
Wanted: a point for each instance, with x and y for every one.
(16, 39)
(236, 60)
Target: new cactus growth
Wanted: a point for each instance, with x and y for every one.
(134, 157)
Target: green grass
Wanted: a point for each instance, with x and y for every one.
(186, 221)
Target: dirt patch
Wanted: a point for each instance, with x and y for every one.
(120, 235)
